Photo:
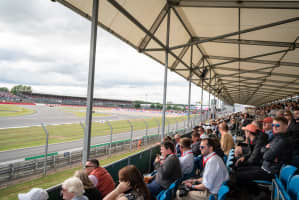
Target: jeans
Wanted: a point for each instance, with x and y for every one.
(154, 188)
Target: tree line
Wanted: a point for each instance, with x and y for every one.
(17, 89)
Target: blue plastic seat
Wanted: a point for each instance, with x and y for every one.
(286, 174)
(170, 192)
(293, 189)
(279, 191)
(281, 183)
(224, 189)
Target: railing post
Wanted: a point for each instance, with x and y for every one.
(167, 126)
(12, 171)
(131, 135)
(158, 126)
(176, 125)
(46, 149)
(146, 131)
(54, 162)
(111, 131)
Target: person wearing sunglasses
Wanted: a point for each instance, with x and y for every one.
(276, 153)
(293, 131)
(104, 182)
(279, 150)
(214, 175)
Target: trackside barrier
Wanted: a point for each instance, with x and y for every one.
(142, 160)
(35, 164)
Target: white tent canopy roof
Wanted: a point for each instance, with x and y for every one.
(250, 49)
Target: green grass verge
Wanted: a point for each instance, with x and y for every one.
(11, 192)
(7, 110)
(14, 138)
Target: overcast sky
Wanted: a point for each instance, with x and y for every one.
(46, 45)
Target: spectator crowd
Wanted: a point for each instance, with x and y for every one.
(263, 142)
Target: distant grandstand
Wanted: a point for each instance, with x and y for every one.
(71, 100)
(7, 96)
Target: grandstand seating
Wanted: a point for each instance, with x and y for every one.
(280, 185)
(293, 189)
(224, 189)
(286, 174)
(170, 192)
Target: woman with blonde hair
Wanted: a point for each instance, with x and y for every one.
(131, 186)
(90, 190)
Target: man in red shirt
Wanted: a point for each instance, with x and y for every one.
(104, 182)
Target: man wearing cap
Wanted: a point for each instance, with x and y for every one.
(267, 127)
(275, 154)
(34, 194)
(253, 156)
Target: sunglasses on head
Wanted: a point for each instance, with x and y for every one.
(276, 125)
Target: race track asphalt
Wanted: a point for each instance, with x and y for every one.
(57, 115)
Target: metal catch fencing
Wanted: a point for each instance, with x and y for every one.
(113, 143)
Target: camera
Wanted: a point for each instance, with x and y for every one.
(183, 190)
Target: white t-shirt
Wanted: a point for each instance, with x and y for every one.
(215, 173)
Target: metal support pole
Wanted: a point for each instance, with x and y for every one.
(209, 110)
(165, 75)
(146, 131)
(176, 125)
(190, 77)
(111, 132)
(92, 58)
(46, 149)
(131, 135)
(201, 113)
(189, 100)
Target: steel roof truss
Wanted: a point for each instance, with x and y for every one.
(237, 4)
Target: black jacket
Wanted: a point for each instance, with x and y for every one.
(279, 153)
(196, 149)
(93, 194)
(254, 156)
(293, 131)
